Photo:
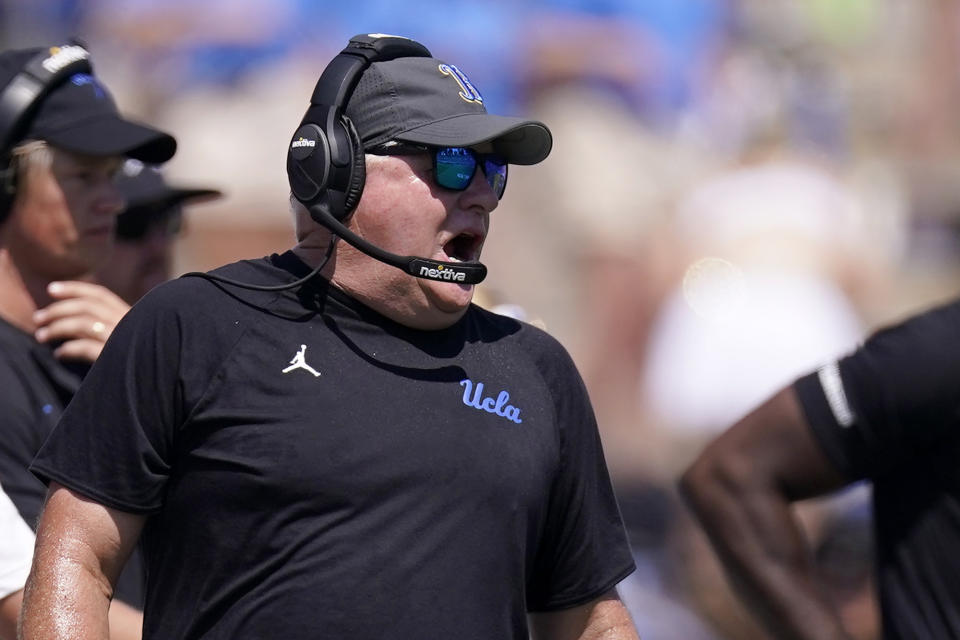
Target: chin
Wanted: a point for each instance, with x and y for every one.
(452, 300)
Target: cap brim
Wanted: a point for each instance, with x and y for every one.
(172, 196)
(115, 137)
(519, 141)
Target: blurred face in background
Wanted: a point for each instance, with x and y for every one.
(142, 256)
(61, 224)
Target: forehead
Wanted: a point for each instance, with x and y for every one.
(68, 160)
(483, 148)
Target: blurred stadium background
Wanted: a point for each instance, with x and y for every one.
(739, 191)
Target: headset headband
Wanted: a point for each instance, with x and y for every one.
(338, 80)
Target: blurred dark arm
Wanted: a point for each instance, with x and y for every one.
(741, 488)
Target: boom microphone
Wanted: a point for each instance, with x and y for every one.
(461, 272)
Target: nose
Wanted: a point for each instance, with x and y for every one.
(110, 200)
(480, 193)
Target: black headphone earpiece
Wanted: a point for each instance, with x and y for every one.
(327, 167)
(358, 175)
(20, 98)
(325, 161)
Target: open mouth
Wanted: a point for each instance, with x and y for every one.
(464, 247)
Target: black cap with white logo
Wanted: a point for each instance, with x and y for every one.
(79, 114)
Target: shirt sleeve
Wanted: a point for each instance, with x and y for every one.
(583, 549)
(16, 550)
(115, 442)
(892, 399)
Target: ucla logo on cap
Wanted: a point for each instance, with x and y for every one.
(467, 91)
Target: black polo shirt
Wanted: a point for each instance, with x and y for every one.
(34, 389)
(311, 469)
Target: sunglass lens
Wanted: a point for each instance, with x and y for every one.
(455, 168)
(496, 171)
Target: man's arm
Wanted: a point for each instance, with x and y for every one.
(741, 488)
(604, 618)
(81, 547)
(126, 623)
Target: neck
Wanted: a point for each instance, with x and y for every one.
(312, 254)
(21, 293)
(388, 291)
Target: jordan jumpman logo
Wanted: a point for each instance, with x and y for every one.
(299, 362)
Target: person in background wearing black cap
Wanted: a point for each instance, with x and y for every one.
(141, 259)
(334, 442)
(63, 141)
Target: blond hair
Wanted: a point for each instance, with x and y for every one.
(31, 154)
(26, 157)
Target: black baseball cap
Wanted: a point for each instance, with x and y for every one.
(144, 185)
(153, 200)
(80, 115)
(427, 101)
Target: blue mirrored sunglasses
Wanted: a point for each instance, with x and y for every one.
(454, 167)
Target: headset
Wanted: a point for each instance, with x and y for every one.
(325, 160)
(20, 98)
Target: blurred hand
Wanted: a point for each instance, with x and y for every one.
(82, 316)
